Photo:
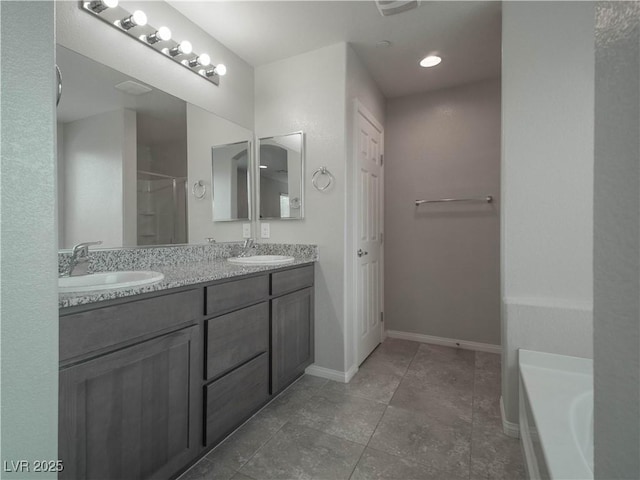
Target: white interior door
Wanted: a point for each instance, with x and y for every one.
(369, 232)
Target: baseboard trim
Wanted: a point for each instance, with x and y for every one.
(509, 428)
(447, 342)
(335, 375)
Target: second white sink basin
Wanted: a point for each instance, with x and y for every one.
(262, 260)
(107, 281)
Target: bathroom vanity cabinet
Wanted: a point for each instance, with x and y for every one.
(149, 383)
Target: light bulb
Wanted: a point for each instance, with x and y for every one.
(138, 19)
(219, 70)
(200, 60)
(430, 61)
(186, 47)
(183, 48)
(162, 35)
(98, 6)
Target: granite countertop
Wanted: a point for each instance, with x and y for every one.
(177, 276)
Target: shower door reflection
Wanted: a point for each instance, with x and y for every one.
(162, 209)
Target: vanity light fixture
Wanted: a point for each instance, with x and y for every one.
(159, 39)
(430, 61)
(201, 60)
(183, 48)
(138, 19)
(98, 6)
(163, 34)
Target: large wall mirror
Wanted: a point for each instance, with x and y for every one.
(122, 158)
(281, 165)
(231, 181)
(128, 155)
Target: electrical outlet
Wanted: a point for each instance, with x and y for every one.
(246, 230)
(265, 230)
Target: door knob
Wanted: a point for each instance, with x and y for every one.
(361, 253)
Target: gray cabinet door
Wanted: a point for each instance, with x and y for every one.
(131, 414)
(291, 337)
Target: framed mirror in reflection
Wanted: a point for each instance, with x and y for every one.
(281, 165)
(231, 181)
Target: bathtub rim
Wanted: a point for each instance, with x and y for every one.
(568, 377)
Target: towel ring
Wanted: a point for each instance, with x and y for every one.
(316, 176)
(199, 189)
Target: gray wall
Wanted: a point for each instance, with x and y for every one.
(442, 261)
(28, 236)
(547, 183)
(99, 158)
(315, 92)
(307, 92)
(206, 130)
(617, 241)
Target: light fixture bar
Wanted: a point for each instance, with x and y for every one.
(159, 39)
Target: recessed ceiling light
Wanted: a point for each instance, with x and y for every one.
(430, 61)
(383, 44)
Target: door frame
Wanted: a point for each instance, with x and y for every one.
(351, 259)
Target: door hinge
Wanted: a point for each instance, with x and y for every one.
(381, 159)
(381, 316)
(381, 237)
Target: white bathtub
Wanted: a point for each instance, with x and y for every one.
(556, 415)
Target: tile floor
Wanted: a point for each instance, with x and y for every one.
(413, 411)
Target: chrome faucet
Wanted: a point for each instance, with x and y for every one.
(79, 262)
(246, 248)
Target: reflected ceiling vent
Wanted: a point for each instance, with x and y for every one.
(132, 88)
(391, 7)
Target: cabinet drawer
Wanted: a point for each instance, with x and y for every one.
(234, 338)
(234, 397)
(95, 330)
(230, 295)
(290, 280)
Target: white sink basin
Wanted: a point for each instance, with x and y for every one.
(107, 281)
(262, 260)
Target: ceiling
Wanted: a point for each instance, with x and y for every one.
(467, 35)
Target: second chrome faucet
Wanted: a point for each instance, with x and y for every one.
(249, 243)
(79, 262)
